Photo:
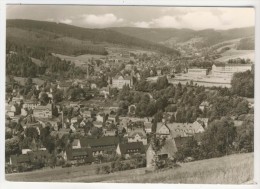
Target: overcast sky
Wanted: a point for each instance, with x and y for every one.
(133, 16)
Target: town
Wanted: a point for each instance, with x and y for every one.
(127, 109)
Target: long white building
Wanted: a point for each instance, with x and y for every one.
(228, 70)
(197, 72)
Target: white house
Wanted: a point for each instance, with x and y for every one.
(120, 81)
(137, 135)
(43, 111)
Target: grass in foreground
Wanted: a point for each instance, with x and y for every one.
(233, 169)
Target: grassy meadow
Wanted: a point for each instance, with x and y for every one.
(233, 169)
(233, 54)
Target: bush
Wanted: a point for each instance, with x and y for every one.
(106, 169)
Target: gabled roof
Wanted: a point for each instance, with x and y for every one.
(83, 153)
(98, 142)
(75, 142)
(22, 158)
(38, 154)
(168, 148)
(180, 141)
(133, 147)
(133, 133)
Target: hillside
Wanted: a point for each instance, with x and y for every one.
(173, 35)
(72, 40)
(232, 169)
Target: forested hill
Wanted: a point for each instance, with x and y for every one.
(59, 37)
(209, 36)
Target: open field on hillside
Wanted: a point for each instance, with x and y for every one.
(79, 60)
(232, 54)
(233, 169)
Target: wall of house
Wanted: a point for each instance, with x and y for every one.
(150, 157)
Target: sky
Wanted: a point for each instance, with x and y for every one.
(196, 18)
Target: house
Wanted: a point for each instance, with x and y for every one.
(86, 114)
(9, 111)
(238, 123)
(128, 67)
(113, 108)
(137, 135)
(120, 81)
(104, 91)
(167, 151)
(25, 151)
(30, 156)
(93, 86)
(198, 127)
(129, 149)
(64, 85)
(22, 159)
(179, 129)
(73, 128)
(98, 124)
(112, 118)
(30, 104)
(203, 121)
(24, 111)
(74, 104)
(110, 132)
(203, 105)
(101, 145)
(74, 120)
(100, 117)
(162, 129)
(76, 144)
(148, 127)
(43, 111)
(180, 142)
(60, 133)
(78, 155)
(42, 155)
(17, 100)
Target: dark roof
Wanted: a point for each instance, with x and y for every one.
(39, 154)
(232, 65)
(80, 153)
(133, 147)
(22, 158)
(180, 141)
(99, 142)
(140, 132)
(169, 147)
(30, 156)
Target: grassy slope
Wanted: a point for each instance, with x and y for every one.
(233, 169)
(233, 54)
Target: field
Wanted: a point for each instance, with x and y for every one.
(233, 169)
(232, 54)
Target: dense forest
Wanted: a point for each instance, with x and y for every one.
(21, 65)
(59, 30)
(210, 36)
(243, 84)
